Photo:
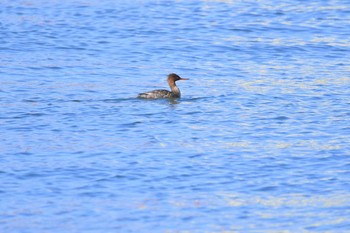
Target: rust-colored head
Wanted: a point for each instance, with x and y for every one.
(174, 77)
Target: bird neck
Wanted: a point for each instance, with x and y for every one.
(174, 89)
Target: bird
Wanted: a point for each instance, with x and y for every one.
(160, 94)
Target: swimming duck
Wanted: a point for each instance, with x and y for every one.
(158, 94)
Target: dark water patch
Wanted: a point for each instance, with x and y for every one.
(280, 118)
(34, 114)
(53, 67)
(267, 189)
(132, 124)
(70, 48)
(25, 153)
(31, 175)
(119, 100)
(31, 100)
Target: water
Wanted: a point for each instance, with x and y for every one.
(258, 143)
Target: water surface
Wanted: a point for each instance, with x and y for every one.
(259, 142)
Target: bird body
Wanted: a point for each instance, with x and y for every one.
(159, 94)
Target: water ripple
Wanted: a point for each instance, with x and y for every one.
(260, 137)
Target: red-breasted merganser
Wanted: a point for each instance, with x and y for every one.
(158, 94)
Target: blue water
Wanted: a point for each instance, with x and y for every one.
(259, 141)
